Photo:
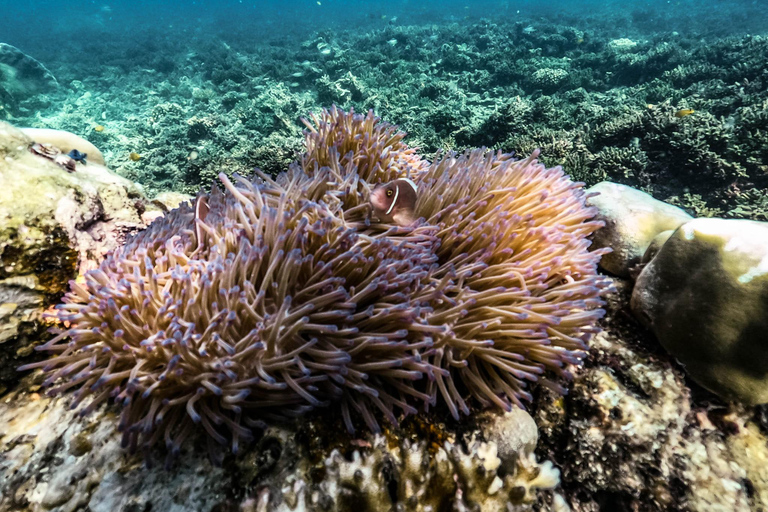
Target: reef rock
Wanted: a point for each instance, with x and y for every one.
(512, 431)
(21, 76)
(632, 220)
(705, 295)
(53, 223)
(633, 435)
(66, 142)
(53, 458)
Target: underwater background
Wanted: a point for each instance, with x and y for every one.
(175, 92)
(655, 396)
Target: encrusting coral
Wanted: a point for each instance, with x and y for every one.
(286, 295)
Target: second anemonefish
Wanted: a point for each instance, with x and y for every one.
(201, 212)
(395, 201)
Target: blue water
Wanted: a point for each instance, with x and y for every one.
(228, 80)
(55, 26)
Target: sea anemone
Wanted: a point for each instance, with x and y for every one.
(286, 296)
(513, 236)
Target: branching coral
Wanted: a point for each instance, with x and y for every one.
(285, 296)
(410, 478)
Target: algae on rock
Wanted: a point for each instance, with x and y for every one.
(705, 296)
(53, 224)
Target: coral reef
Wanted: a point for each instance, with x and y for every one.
(54, 224)
(596, 93)
(704, 296)
(175, 101)
(53, 458)
(633, 220)
(284, 296)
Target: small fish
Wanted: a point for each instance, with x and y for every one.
(134, 156)
(392, 42)
(78, 156)
(394, 202)
(684, 112)
(98, 128)
(325, 51)
(297, 74)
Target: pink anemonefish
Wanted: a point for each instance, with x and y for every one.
(395, 201)
(201, 212)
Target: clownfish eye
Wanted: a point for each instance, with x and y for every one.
(389, 193)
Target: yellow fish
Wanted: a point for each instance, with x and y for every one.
(684, 112)
(134, 156)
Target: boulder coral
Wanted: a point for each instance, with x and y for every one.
(66, 142)
(705, 295)
(22, 77)
(281, 295)
(633, 219)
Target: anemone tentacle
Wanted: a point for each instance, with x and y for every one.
(287, 296)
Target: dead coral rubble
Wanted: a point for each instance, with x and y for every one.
(54, 459)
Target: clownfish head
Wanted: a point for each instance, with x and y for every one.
(395, 201)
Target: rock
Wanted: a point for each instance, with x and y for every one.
(631, 435)
(632, 220)
(53, 224)
(66, 142)
(705, 296)
(21, 76)
(44, 466)
(171, 200)
(512, 431)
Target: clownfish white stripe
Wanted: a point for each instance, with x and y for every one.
(201, 211)
(394, 201)
(411, 183)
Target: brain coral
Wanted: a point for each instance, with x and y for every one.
(287, 296)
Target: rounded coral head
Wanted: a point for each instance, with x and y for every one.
(287, 295)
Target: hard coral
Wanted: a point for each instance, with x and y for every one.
(292, 298)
